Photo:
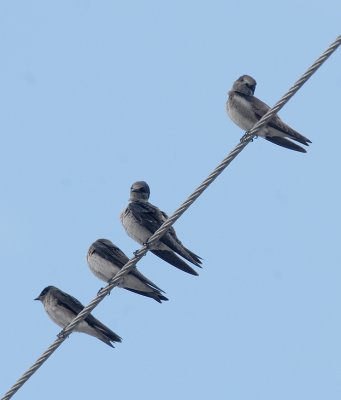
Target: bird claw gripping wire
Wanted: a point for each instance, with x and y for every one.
(145, 245)
(246, 137)
(62, 334)
(100, 290)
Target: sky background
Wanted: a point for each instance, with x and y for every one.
(95, 95)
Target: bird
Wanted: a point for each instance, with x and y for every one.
(106, 260)
(246, 110)
(141, 219)
(62, 308)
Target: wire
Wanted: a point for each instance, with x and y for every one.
(294, 88)
(171, 220)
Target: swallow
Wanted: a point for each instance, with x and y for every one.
(62, 308)
(141, 219)
(246, 110)
(106, 260)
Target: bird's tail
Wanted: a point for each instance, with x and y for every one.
(155, 294)
(280, 141)
(174, 260)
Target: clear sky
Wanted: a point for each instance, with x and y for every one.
(95, 95)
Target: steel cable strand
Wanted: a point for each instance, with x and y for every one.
(171, 220)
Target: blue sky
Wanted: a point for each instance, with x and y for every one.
(98, 94)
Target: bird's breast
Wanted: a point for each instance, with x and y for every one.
(134, 228)
(58, 314)
(102, 268)
(240, 111)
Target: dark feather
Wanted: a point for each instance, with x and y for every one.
(275, 122)
(147, 215)
(152, 218)
(190, 256)
(153, 295)
(180, 249)
(285, 143)
(71, 303)
(174, 260)
(107, 250)
(112, 336)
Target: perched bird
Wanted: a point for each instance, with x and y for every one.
(141, 219)
(105, 260)
(62, 308)
(246, 110)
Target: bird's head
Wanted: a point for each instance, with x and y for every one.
(139, 191)
(44, 293)
(245, 85)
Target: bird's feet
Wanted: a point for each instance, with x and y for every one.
(145, 245)
(100, 290)
(246, 137)
(63, 335)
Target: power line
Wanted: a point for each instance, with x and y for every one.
(172, 219)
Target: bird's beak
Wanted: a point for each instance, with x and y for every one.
(37, 298)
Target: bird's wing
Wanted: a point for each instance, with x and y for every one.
(107, 250)
(260, 108)
(147, 215)
(95, 323)
(152, 218)
(69, 302)
(183, 251)
(281, 141)
(173, 259)
(145, 280)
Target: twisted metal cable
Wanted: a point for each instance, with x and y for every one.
(266, 117)
(171, 220)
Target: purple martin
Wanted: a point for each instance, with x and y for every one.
(106, 260)
(62, 308)
(141, 219)
(246, 110)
